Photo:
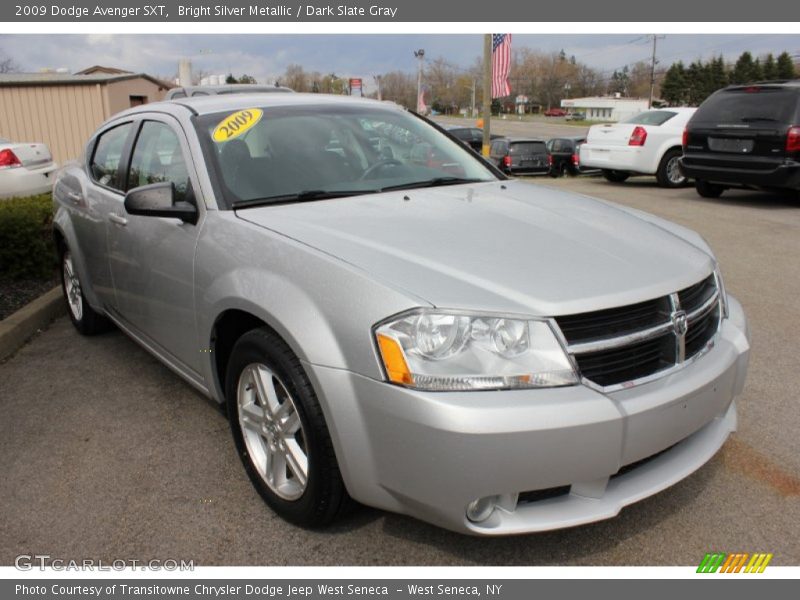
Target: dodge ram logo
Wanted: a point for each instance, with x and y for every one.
(680, 323)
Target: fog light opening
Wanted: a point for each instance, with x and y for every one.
(481, 509)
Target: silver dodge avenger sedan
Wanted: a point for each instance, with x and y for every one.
(388, 318)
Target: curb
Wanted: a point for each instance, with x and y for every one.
(19, 327)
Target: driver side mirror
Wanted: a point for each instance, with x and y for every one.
(158, 200)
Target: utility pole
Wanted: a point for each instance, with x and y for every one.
(474, 85)
(378, 81)
(420, 55)
(487, 92)
(653, 71)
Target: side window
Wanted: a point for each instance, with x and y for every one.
(107, 155)
(497, 148)
(157, 157)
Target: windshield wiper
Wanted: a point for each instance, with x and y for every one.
(435, 182)
(751, 119)
(304, 196)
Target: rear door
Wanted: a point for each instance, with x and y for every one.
(102, 196)
(528, 155)
(744, 127)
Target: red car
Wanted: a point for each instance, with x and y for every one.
(555, 112)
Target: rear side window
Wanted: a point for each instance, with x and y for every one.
(105, 165)
(651, 117)
(498, 148)
(749, 105)
(528, 148)
(158, 158)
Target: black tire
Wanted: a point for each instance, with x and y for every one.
(553, 172)
(708, 190)
(324, 497)
(666, 174)
(615, 176)
(85, 319)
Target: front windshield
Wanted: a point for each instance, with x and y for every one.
(307, 152)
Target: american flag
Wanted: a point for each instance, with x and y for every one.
(501, 61)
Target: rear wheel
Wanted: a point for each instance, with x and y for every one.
(615, 176)
(708, 190)
(280, 431)
(85, 319)
(669, 170)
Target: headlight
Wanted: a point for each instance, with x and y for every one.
(722, 294)
(443, 351)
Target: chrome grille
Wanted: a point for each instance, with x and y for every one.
(619, 346)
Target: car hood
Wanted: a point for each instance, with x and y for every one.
(495, 246)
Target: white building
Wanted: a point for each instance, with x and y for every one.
(605, 108)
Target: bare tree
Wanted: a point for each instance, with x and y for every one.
(7, 64)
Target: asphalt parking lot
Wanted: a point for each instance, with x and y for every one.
(106, 454)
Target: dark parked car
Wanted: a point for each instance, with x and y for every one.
(745, 136)
(230, 88)
(576, 116)
(471, 136)
(516, 155)
(564, 156)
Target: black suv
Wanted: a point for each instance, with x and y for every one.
(564, 156)
(513, 155)
(745, 136)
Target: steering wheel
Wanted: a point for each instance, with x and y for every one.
(379, 165)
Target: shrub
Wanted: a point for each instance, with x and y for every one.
(26, 237)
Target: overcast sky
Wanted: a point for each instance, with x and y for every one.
(265, 56)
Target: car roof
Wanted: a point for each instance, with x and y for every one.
(230, 88)
(572, 138)
(790, 83)
(203, 105)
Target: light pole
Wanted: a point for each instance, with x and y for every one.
(419, 55)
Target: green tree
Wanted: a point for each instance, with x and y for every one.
(674, 86)
(784, 67)
(746, 69)
(769, 69)
(718, 75)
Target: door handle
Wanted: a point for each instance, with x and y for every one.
(76, 198)
(117, 220)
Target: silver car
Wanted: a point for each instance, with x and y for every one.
(394, 321)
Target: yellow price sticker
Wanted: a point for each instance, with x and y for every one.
(236, 124)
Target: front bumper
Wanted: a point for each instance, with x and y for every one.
(430, 454)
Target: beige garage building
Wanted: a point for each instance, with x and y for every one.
(63, 110)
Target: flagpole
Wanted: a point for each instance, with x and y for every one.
(487, 91)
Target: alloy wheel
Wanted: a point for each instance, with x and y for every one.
(272, 430)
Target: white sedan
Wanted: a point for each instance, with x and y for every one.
(647, 144)
(26, 169)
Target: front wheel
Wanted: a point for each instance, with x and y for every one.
(708, 190)
(280, 432)
(615, 176)
(669, 173)
(85, 319)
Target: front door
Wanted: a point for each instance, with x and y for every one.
(152, 258)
